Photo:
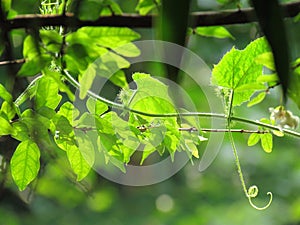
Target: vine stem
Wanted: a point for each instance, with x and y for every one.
(73, 82)
(252, 192)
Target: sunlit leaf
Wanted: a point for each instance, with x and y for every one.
(47, 93)
(257, 99)
(78, 163)
(266, 59)
(214, 31)
(5, 127)
(145, 6)
(253, 139)
(238, 68)
(86, 81)
(4, 94)
(25, 163)
(267, 142)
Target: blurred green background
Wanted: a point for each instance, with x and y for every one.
(212, 197)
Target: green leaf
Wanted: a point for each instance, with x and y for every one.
(214, 31)
(85, 145)
(266, 142)
(86, 81)
(119, 79)
(78, 163)
(266, 59)
(238, 68)
(110, 37)
(21, 132)
(59, 80)
(127, 50)
(5, 95)
(69, 111)
(145, 6)
(253, 139)
(34, 66)
(268, 78)
(9, 109)
(52, 40)
(148, 150)
(30, 50)
(25, 163)
(96, 107)
(257, 99)
(90, 9)
(47, 93)
(110, 7)
(5, 127)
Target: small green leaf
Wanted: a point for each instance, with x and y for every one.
(21, 132)
(5, 127)
(119, 79)
(267, 78)
(257, 99)
(266, 59)
(253, 139)
(267, 142)
(25, 163)
(69, 111)
(85, 145)
(9, 109)
(52, 40)
(86, 81)
(145, 6)
(4, 94)
(148, 150)
(214, 31)
(47, 94)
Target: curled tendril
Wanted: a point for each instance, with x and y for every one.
(252, 193)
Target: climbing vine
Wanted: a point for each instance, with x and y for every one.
(45, 122)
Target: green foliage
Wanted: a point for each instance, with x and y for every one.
(46, 124)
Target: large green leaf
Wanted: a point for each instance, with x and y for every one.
(237, 69)
(25, 163)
